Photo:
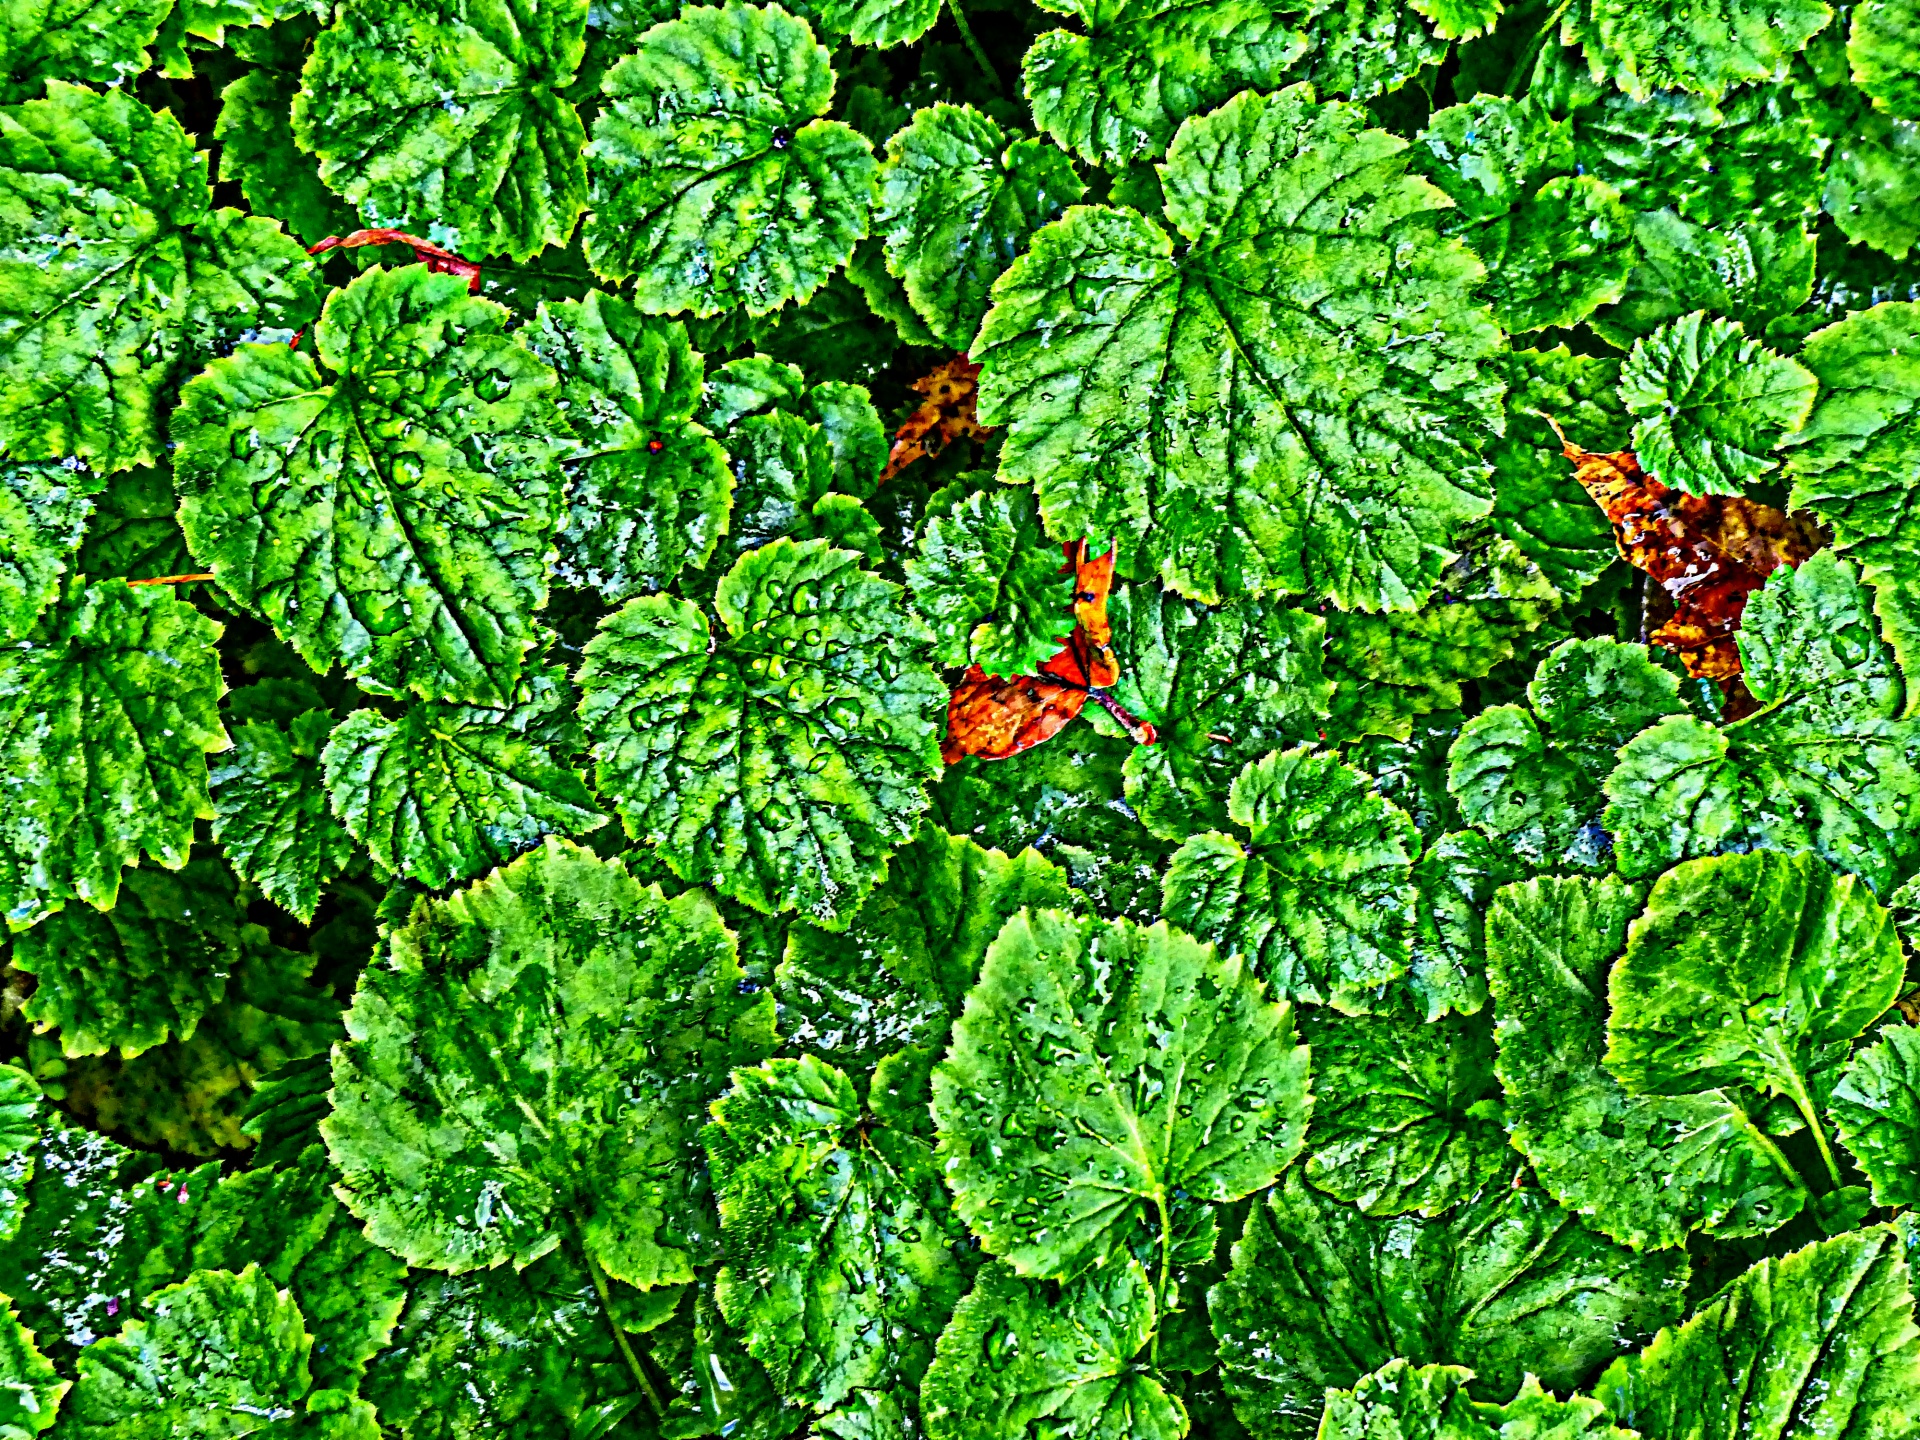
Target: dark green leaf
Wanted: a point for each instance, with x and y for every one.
(991, 584)
(271, 813)
(1876, 1109)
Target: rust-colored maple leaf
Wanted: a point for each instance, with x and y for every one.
(1706, 553)
(995, 716)
(439, 260)
(946, 415)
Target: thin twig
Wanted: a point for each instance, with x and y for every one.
(171, 580)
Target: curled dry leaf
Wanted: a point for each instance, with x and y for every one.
(1707, 553)
(946, 415)
(436, 258)
(995, 716)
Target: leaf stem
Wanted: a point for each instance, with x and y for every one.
(973, 45)
(619, 1335)
(1803, 1102)
(1532, 52)
(1160, 1280)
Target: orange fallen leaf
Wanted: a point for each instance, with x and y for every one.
(995, 716)
(438, 259)
(946, 415)
(1707, 553)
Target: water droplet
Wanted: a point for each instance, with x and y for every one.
(844, 713)
(818, 762)
(775, 816)
(244, 442)
(408, 469)
(493, 386)
(1000, 1346)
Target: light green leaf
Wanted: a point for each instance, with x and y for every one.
(1399, 1401)
(650, 491)
(117, 276)
(611, 1016)
(106, 717)
(1363, 49)
(956, 202)
(447, 791)
(785, 759)
(1749, 970)
(1316, 901)
(221, 1355)
(271, 813)
(19, 1132)
(901, 971)
(1532, 778)
(1097, 1069)
(714, 181)
(1819, 1342)
(149, 967)
(1016, 1358)
(504, 1352)
(1537, 505)
(1454, 881)
(1536, 1414)
(43, 515)
(103, 41)
(1119, 91)
(1556, 245)
(1876, 1109)
(257, 149)
(392, 508)
(1822, 765)
(881, 23)
(30, 1388)
(840, 1269)
(445, 118)
(1643, 1169)
(1241, 465)
(1712, 405)
(1750, 273)
(1706, 50)
(1406, 1112)
(1222, 687)
(1883, 51)
(1320, 1295)
(1853, 463)
(991, 584)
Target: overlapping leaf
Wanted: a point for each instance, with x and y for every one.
(990, 583)
(103, 41)
(43, 515)
(1643, 48)
(1876, 1109)
(271, 812)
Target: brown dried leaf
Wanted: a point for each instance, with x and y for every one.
(946, 415)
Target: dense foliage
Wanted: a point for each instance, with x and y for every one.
(506, 940)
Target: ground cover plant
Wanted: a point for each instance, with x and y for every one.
(985, 720)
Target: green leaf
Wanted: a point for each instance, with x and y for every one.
(1853, 462)
(106, 716)
(283, 1117)
(1320, 1295)
(271, 813)
(19, 1134)
(503, 1351)
(1454, 881)
(1015, 1358)
(222, 1355)
(1556, 245)
(447, 791)
(881, 23)
(1644, 48)
(1400, 1400)
(1119, 91)
(445, 117)
(1749, 970)
(133, 533)
(1822, 766)
(42, 40)
(990, 583)
(1819, 1342)
(30, 1388)
(625, 1007)
(956, 202)
(1643, 1169)
(43, 515)
(1876, 1109)
(1316, 901)
(1063, 1103)
(391, 508)
(1537, 505)
(1750, 273)
(840, 1270)
(714, 181)
(1883, 51)
(650, 491)
(1365, 48)
(901, 971)
(785, 760)
(1711, 404)
(117, 276)
(1531, 778)
(1222, 687)
(1536, 1414)
(130, 976)
(1222, 412)
(1406, 1112)
(257, 149)
(1388, 670)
